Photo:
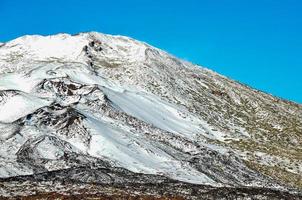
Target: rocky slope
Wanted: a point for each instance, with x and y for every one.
(109, 110)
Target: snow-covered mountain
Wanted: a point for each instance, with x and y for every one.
(72, 106)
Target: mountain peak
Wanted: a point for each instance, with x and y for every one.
(66, 47)
(110, 102)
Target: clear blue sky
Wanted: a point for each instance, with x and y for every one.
(257, 42)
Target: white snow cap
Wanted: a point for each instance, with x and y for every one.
(70, 47)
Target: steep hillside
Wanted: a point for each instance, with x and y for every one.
(86, 103)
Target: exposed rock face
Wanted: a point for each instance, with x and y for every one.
(118, 183)
(93, 110)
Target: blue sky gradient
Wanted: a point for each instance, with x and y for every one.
(257, 42)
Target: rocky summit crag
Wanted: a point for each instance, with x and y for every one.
(100, 116)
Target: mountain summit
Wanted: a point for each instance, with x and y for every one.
(119, 118)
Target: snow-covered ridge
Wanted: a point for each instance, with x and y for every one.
(99, 99)
(69, 48)
(145, 107)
